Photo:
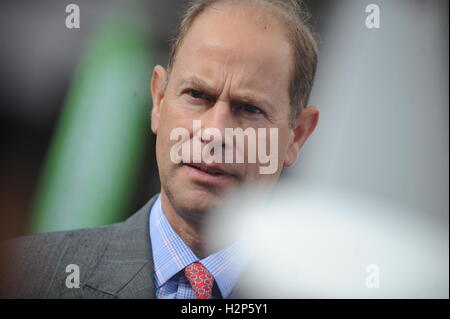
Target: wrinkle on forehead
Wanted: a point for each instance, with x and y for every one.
(243, 68)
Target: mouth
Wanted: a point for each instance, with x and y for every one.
(208, 174)
(207, 169)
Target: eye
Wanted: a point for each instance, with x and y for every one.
(196, 94)
(251, 109)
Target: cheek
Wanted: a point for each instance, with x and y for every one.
(178, 113)
(270, 155)
(171, 118)
(284, 141)
(163, 142)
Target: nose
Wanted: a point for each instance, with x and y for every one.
(219, 117)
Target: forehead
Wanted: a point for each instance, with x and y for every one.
(241, 42)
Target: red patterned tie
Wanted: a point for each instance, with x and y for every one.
(200, 279)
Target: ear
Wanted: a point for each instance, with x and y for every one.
(157, 88)
(304, 126)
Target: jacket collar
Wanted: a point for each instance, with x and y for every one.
(125, 269)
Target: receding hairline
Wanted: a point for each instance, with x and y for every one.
(265, 18)
(292, 17)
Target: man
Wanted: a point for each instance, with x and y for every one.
(234, 64)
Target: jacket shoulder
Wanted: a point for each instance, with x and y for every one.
(38, 265)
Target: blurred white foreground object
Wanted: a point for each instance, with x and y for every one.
(321, 243)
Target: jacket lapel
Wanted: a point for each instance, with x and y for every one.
(126, 268)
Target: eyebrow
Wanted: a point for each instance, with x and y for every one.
(202, 85)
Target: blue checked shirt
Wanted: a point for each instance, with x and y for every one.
(171, 255)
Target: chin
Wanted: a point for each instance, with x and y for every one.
(195, 203)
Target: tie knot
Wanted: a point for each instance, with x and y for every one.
(200, 279)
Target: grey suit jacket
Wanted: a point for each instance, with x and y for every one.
(115, 262)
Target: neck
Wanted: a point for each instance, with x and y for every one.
(189, 231)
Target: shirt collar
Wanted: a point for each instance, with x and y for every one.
(171, 255)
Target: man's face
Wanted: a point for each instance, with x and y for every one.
(231, 71)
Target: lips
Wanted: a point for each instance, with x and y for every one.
(210, 169)
(209, 175)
